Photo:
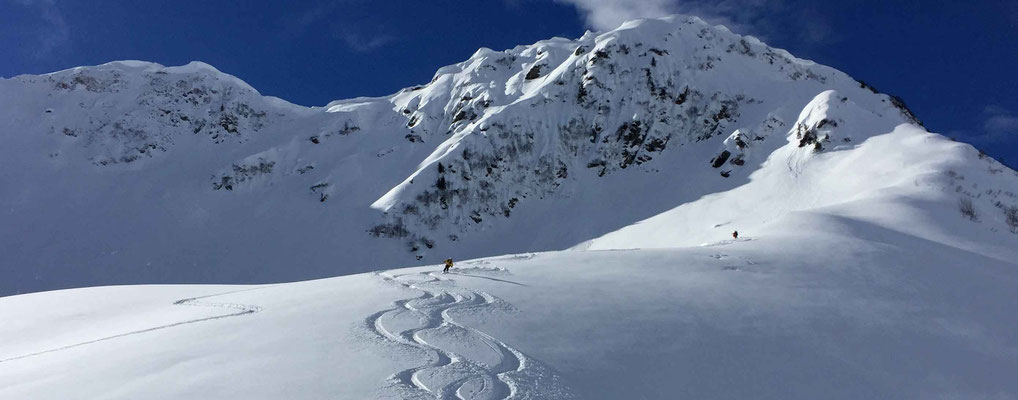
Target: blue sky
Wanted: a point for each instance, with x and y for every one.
(954, 63)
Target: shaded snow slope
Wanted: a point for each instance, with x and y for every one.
(131, 172)
(843, 161)
(862, 311)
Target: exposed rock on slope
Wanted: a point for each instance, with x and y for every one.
(134, 172)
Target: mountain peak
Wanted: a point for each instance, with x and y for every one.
(596, 133)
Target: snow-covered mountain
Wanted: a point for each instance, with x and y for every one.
(132, 172)
(875, 259)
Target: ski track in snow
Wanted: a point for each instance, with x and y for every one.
(450, 374)
(242, 309)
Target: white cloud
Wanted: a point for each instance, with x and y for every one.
(329, 16)
(609, 14)
(806, 25)
(999, 128)
(814, 28)
(361, 43)
(300, 20)
(742, 16)
(53, 33)
(998, 136)
(999, 125)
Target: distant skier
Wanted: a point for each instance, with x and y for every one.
(448, 264)
(735, 235)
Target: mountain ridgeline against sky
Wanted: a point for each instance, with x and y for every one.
(131, 172)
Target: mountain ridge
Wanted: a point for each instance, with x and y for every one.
(184, 174)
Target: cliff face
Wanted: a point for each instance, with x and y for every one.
(523, 123)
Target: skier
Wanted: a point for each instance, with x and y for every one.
(735, 235)
(448, 264)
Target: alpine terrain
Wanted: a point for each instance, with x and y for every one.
(588, 191)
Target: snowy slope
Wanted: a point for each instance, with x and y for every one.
(900, 178)
(876, 259)
(862, 312)
(131, 172)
